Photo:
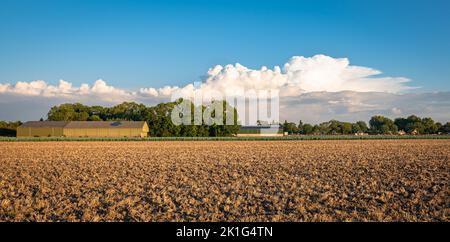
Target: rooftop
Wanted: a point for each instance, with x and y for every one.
(84, 124)
(45, 124)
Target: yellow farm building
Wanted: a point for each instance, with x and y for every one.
(83, 129)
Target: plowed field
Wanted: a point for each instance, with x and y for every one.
(368, 180)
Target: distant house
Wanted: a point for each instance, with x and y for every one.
(83, 129)
(360, 134)
(260, 130)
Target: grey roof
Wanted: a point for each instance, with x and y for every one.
(105, 124)
(260, 127)
(83, 124)
(45, 124)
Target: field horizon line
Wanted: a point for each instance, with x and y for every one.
(285, 138)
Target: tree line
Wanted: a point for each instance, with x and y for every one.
(157, 117)
(9, 128)
(377, 125)
(160, 123)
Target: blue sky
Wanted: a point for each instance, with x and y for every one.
(135, 44)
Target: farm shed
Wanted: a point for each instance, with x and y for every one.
(41, 129)
(106, 129)
(260, 130)
(84, 129)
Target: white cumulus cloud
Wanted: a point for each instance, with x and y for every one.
(100, 89)
(316, 88)
(299, 75)
(302, 75)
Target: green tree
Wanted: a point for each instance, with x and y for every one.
(359, 126)
(300, 127)
(401, 123)
(382, 125)
(290, 128)
(160, 122)
(308, 129)
(438, 126)
(346, 128)
(9, 128)
(69, 112)
(429, 126)
(333, 127)
(316, 129)
(94, 118)
(414, 124)
(445, 129)
(324, 128)
(63, 112)
(362, 126)
(229, 126)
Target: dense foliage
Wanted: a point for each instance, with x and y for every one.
(158, 118)
(9, 128)
(160, 123)
(377, 125)
(331, 127)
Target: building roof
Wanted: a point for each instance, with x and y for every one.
(84, 124)
(105, 124)
(260, 127)
(45, 124)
